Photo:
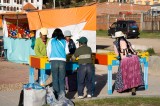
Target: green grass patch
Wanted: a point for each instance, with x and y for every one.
(151, 51)
(120, 101)
(149, 35)
(104, 33)
(130, 101)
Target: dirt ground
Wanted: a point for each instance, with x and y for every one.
(107, 43)
(13, 75)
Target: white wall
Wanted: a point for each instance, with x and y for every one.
(20, 6)
(77, 32)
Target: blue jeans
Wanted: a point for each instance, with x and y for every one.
(58, 69)
(85, 75)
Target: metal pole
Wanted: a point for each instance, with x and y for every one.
(17, 22)
(54, 2)
(142, 21)
(152, 20)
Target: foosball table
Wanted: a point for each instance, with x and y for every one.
(109, 59)
(112, 61)
(43, 64)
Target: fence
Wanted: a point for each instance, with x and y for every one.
(144, 21)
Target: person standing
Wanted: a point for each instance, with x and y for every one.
(56, 51)
(86, 67)
(129, 75)
(71, 44)
(40, 48)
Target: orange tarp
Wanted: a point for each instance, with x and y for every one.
(63, 17)
(0, 21)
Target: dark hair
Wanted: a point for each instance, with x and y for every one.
(58, 34)
(119, 47)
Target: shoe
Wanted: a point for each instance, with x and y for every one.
(89, 96)
(133, 93)
(80, 97)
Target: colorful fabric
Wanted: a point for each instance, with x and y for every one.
(18, 28)
(129, 74)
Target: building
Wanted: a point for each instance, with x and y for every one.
(17, 5)
(140, 2)
(117, 8)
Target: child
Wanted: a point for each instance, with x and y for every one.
(86, 67)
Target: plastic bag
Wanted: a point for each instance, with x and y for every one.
(50, 97)
(34, 95)
(63, 101)
(33, 86)
(52, 101)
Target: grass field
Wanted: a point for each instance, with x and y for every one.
(119, 101)
(126, 101)
(103, 33)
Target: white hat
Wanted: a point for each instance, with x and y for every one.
(67, 33)
(119, 34)
(44, 31)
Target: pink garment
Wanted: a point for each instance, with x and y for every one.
(131, 73)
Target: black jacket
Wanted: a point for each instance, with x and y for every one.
(71, 46)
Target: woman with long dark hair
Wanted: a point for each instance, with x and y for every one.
(56, 51)
(129, 75)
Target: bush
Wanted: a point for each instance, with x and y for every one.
(151, 51)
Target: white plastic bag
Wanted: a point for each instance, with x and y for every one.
(50, 96)
(34, 97)
(63, 101)
(52, 101)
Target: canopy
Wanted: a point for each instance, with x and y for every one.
(80, 21)
(63, 17)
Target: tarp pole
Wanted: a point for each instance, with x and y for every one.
(40, 19)
(17, 23)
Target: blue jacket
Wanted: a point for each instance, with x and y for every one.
(57, 49)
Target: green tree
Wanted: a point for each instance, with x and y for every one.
(65, 3)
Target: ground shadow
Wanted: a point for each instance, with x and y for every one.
(140, 88)
(101, 81)
(71, 85)
(70, 95)
(102, 46)
(21, 96)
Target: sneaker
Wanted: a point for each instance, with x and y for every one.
(89, 96)
(80, 97)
